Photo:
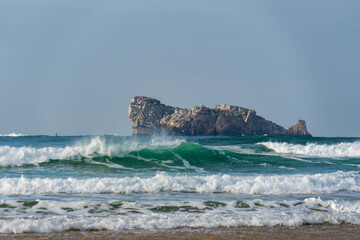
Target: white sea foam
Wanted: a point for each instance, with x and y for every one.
(10, 208)
(18, 156)
(262, 184)
(236, 149)
(13, 135)
(344, 149)
(62, 216)
(187, 164)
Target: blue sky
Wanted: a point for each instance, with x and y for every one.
(73, 66)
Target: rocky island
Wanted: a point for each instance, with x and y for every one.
(149, 116)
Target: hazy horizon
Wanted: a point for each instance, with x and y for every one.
(73, 67)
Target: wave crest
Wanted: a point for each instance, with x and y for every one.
(19, 156)
(162, 182)
(344, 149)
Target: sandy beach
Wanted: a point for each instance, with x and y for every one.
(342, 231)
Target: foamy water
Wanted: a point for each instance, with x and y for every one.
(162, 182)
(344, 149)
(150, 216)
(53, 184)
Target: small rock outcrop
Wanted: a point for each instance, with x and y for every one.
(150, 116)
(299, 129)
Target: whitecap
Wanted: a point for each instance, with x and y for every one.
(325, 183)
(19, 156)
(343, 149)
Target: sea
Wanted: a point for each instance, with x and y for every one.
(148, 183)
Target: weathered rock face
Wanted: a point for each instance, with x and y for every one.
(150, 116)
(299, 129)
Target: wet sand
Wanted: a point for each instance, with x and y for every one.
(342, 231)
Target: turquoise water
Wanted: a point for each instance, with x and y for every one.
(60, 183)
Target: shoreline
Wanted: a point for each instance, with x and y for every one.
(316, 231)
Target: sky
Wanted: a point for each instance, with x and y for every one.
(73, 66)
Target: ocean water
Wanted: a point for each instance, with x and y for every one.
(54, 184)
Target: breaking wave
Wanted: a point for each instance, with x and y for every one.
(344, 149)
(162, 182)
(19, 156)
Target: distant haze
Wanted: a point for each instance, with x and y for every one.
(73, 66)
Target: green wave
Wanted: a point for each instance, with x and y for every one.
(192, 154)
(185, 157)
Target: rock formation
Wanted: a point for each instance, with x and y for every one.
(150, 116)
(299, 129)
